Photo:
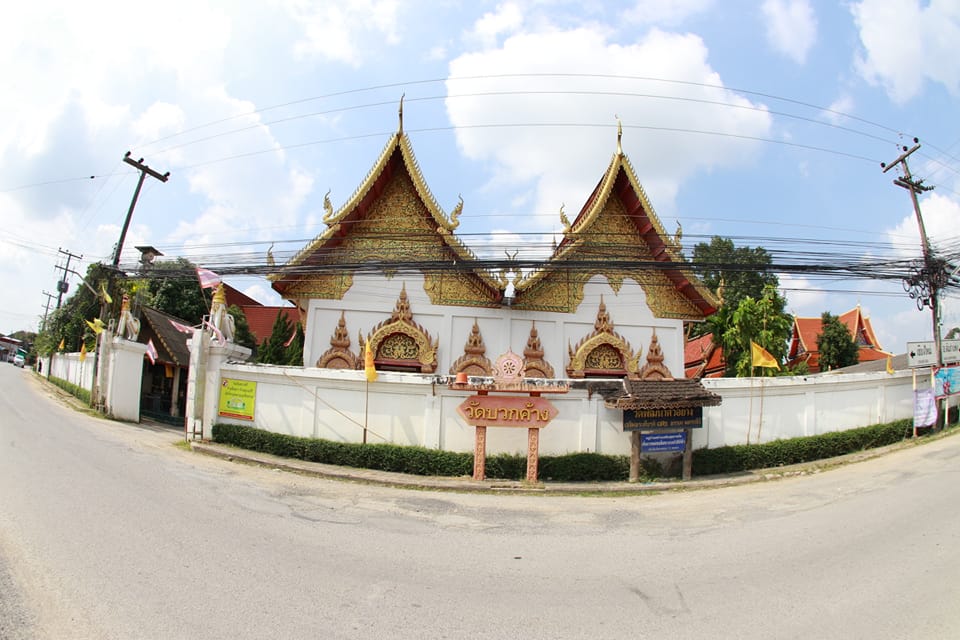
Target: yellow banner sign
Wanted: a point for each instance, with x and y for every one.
(237, 398)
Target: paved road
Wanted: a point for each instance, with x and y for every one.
(109, 530)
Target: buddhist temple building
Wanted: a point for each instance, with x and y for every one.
(389, 271)
(803, 341)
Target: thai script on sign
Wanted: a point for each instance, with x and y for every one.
(507, 411)
(653, 419)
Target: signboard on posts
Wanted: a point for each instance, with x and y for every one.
(923, 354)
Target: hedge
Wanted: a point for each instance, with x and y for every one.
(573, 467)
(778, 453)
(72, 389)
(420, 460)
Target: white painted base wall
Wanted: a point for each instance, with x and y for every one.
(68, 366)
(413, 409)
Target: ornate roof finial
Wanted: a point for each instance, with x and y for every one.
(455, 214)
(400, 113)
(564, 220)
(327, 207)
(619, 135)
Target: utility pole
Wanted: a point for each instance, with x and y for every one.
(924, 286)
(43, 325)
(62, 285)
(144, 172)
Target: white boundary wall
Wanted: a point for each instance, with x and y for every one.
(413, 409)
(67, 366)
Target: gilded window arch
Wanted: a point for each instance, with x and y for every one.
(603, 352)
(400, 343)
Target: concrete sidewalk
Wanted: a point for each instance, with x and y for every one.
(466, 484)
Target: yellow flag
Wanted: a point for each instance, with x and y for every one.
(889, 364)
(368, 366)
(96, 325)
(60, 348)
(83, 351)
(760, 357)
(103, 292)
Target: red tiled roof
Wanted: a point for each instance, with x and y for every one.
(260, 319)
(702, 358)
(803, 343)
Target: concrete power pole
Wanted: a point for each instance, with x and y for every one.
(144, 172)
(924, 286)
(62, 285)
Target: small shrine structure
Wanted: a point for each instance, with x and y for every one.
(656, 402)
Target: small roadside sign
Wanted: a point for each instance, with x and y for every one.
(663, 442)
(923, 354)
(920, 354)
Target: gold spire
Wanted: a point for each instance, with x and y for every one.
(619, 135)
(400, 113)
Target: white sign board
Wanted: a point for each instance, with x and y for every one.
(921, 354)
(950, 350)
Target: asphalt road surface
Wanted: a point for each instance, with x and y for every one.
(109, 530)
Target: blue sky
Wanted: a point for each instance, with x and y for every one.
(763, 121)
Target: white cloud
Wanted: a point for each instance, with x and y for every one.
(940, 215)
(506, 19)
(560, 132)
(836, 113)
(791, 27)
(344, 31)
(665, 12)
(905, 44)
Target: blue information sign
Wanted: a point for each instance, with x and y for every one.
(663, 442)
(652, 419)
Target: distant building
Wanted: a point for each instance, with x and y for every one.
(702, 358)
(8, 348)
(803, 342)
(260, 318)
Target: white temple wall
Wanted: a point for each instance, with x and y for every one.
(372, 299)
(415, 409)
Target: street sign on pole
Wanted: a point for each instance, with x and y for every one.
(922, 354)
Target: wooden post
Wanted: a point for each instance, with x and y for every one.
(634, 456)
(480, 453)
(688, 454)
(533, 453)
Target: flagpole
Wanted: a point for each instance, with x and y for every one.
(366, 411)
(760, 421)
(750, 414)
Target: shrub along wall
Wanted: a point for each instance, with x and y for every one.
(796, 450)
(72, 389)
(575, 467)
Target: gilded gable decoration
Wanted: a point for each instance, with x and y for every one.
(617, 234)
(473, 362)
(534, 366)
(401, 343)
(339, 356)
(654, 369)
(603, 352)
(391, 218)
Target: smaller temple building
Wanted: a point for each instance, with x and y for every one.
(803, 341)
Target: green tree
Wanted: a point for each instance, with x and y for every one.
(835, 344)
(242, 334)
(68, 323)
(275, 350)
(743, 271)
(762, 321)
(172, 287)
